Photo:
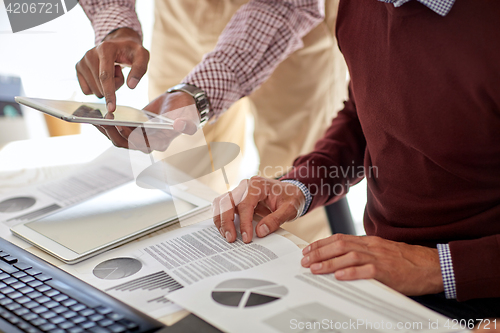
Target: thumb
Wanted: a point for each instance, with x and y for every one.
(273, 221)
(185, 126)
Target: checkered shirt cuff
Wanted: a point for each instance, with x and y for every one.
(305, 191)
(442, 7)
(450, 289)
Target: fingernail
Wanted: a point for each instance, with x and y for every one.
(183, 126)
(305, 260)
(228, 236)
(306, 250)
(244, 236)
(221, 232)
(316, 267)
(133, 82)
(109, 106)
(264, 230)
(339, 274)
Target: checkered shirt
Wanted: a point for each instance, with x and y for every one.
(450, 289)
(442, 7)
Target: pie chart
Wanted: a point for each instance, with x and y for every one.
(245, 293)
(117, 268)
(16, 204)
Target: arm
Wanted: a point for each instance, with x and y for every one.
(260, 35)
(109, 15)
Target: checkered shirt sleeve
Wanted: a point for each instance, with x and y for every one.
(259, 36)
(109, 15)
(442, 7)
(305, 192)
(450, 289)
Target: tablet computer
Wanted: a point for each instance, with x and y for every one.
(108, 220)
(97, 114)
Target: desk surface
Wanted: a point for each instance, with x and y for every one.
(35, 161)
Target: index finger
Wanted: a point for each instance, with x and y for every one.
(107, 78)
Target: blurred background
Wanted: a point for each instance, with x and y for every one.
(44, 59)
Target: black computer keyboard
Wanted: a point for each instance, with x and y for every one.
(36, 296)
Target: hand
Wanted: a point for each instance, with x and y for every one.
(97, 72)
(179, 106)
(410, 269)
(275, 201)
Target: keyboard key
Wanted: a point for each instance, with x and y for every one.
(18, 285)
(69, 314)
(116, 328)
(75, 330)
(10, 259)
(2, 285)
(42, 299)
(48, 315)
(78, 307)
(105, 322)
(24, 326)
(78, 320)
(14, 295)
(35, 283)
(23, 300)
(33, 272)
(34, 294)
(103, 310)
(5, 301)
(39, 309)
(30, 316)
(43, 288)
(130, 325)
(6, 290)
(10, 280)
(86, 312)
(26, 290)
(27, 279)
(96, 317)
(51, 304)
(4, 276)
(31, 304)
(57, 320)
(38, 321)
(87, 324)
(12, 306)
(21, 312)
(60, 298)
(60, 309)
(66, 325)
(98, 329)
(69, 302)
(43, 277)
(47, 327)
(6, 268)
(57, 330)
(51, 292)
(19, 275)
(114, 316)
(22, 266)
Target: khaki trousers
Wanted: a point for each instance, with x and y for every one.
(291, 110)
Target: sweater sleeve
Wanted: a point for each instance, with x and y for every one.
(336, 161)
(476, 264)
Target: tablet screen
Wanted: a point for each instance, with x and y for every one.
(110, 216)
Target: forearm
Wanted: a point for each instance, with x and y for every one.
(336, 161)
(260, 35)
(109, 15)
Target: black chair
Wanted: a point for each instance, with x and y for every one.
(340, 218)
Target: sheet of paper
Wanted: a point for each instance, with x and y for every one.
(143, 272)
(281, 296)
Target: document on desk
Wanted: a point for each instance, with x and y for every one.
(282, 297)
(107, 171)
(142, 273)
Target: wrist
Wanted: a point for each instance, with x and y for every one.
(124, 33)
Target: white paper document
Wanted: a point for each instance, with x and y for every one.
(282, 297)
(141, 273)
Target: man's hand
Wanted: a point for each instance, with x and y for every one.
(178, 106)
(98, 73)
(410, 269)
(276, 202)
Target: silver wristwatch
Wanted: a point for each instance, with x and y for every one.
(200, 99)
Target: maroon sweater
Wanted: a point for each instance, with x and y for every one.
(424, 110)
